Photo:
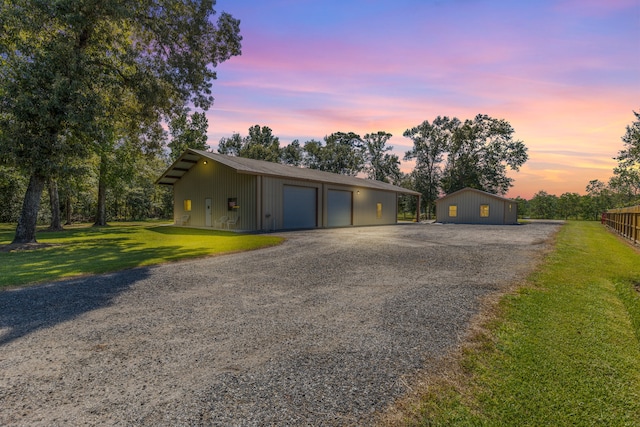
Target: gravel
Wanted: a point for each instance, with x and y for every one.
(326, 329)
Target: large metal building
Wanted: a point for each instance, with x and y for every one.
(214, 190)
(471, 206)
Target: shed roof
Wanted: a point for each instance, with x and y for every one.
(259, 167)
(473, 190)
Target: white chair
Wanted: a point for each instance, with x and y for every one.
(222, 222)
(233, 222)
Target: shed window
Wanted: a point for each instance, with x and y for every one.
(484, 211)
(453, 210)
(379, 210)
(187, 205)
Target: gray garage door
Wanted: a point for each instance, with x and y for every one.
(339, 205)
(300, 207)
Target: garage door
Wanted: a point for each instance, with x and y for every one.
(339, 205)
(300, 207)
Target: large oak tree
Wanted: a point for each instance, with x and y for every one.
(451, 154)
(70, 69)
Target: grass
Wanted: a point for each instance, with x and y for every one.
(562, 350)
(82, 249)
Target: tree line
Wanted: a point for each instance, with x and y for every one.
(133, 195)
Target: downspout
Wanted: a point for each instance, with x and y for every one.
(259, 203)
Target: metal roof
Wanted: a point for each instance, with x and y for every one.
(259, 167)
(473, 190)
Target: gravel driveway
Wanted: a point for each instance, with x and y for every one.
(326, 329)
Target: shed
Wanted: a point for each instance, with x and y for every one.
(215, 190)
(471, 206)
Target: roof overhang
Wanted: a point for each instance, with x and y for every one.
(179, 168)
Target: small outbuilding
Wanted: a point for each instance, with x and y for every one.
(215, 190)
(471, 206)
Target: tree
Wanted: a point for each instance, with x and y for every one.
(569, 205)
(292, 154)
(599, 199)
(523, 207)
(12, 185)
(261, 144)
(544, 205)
(187, 132)
(631, 139)
(430, 143)
(342, 153)
(626, 180)
(231, 146)
(379, 164)
(479, 153)
(66, 67)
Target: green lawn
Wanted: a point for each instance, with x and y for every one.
(564, 350)
(82, 249)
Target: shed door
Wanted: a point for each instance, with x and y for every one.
(339, 208)
(299, 207)
(207, 212)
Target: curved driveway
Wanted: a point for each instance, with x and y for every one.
(322, 330)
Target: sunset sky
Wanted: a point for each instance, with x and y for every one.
(565, 74)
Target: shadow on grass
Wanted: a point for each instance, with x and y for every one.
(103, 255)
(26, 310)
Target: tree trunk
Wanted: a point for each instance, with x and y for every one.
(68, 209)
(101, 214)
(26, 229)
(54, 200)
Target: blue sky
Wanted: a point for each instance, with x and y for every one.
(565, 74)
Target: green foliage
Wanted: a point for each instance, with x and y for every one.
(187, 132)
(78, 76)
(479, 152)
(569, 205)
(626, 179)
(565, 350)
(260, 144)
(379, 164)
(12, 186)
(544, 205)
(91, 250)
(341, 153)
(430, 142)
(631, 139)
(451, 155)
(292, 154)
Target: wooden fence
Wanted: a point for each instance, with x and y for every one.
(625, 221)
